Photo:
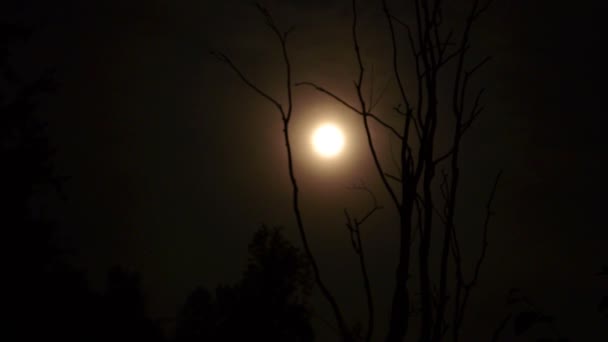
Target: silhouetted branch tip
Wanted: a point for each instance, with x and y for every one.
(479, 65)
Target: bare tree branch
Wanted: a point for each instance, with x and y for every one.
(395, 55)
(486, 225)
(225, 59)
(473, 282)
(286, 117)
(501, 327)
(330, 94)
(380, 96)
(354, 226)
(351, 107)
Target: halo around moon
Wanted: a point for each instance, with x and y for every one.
(328, 140)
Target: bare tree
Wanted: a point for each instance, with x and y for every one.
(286, 115)
(439, 54)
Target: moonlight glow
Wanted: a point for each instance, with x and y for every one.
(328, 140)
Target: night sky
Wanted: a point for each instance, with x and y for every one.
(173, 163)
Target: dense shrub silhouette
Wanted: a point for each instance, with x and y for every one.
(268, 304)
(122, 310)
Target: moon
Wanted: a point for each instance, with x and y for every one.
(328, 140)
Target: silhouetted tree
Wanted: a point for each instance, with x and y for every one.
(197, 318)
(122, 307)
(44, 296)
(26, 172)
(440, 59)
(268, 304)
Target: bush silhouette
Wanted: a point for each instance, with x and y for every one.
(268, 304)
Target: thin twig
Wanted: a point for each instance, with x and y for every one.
(351, 107)
(225, 59)
(354, 227)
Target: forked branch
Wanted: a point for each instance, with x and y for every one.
(463, 288)
(354, 227)
(351, 107)
(286, 117)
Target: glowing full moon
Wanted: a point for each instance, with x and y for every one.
(328, 140)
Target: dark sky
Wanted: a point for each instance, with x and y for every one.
(174, 163)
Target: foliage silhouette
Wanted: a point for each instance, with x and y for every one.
(42, 292)
(268, 304)
(123, 310)
(46, 297)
